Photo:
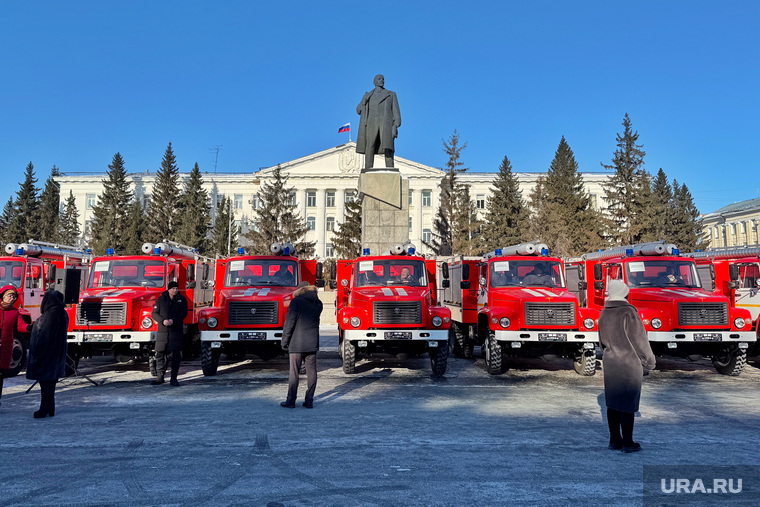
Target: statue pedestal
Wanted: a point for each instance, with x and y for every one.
(385, 210)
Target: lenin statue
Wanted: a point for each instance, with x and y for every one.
(379, 123)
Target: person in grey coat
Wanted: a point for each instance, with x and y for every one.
(626, 356)
(47, 350)
(300, 337)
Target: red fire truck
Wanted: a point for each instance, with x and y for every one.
(113, 315)
(251, 298)
(388, 304)
(515, 301)
(735, 273)
(31, 267)
(681, 317)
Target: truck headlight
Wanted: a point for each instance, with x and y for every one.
(504, 322)
(588, 323)
(356, 321)
(437, 321)
(739, 323)
(212, 322)
(146, 322)
(656, 323)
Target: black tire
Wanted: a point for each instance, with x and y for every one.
(209, 359)
(730, 362)
(152, 365)
(439, 357)
(495, 364)
(454, 346)
(585, 363)
(349, 357)
(18, 358)
(461, 344)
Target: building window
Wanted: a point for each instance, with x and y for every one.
(219, 200)
(311, 223)
(330, 223)
(330, 199)
(427, 235)
(349, 196)
(410, 223)
(593, 201)
(311, 199)
(410, 197)
(292, 199)
(329, 250)
(238, 201)
(90, 201)
(480, 201)
(255, 201)
(427, 200)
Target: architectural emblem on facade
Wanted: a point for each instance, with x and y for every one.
(348, 161)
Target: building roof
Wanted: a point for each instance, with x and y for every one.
(739, 206)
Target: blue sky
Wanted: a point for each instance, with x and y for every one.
(273, 81)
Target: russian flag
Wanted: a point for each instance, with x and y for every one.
(344, 128)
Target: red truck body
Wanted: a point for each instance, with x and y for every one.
(379, 312)
(31, 268)
(497, 302)
(251, 299)
(680, 316)
(113, 315)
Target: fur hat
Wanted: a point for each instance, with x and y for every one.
(617, 290)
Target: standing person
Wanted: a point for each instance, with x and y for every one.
(300, 338)
(47, 350)
(379, 121)
(626, 356)
(10, 321)
(169, 312)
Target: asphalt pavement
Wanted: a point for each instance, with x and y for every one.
(388, 435)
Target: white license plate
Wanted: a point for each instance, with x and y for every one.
(252, 336)
(98, 337)
(398, 335)
(708, 337)
(552, 337)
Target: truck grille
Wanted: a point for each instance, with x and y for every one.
(254, 312)
(397, 312)
(101, 314)
(550, 314)
(696, 314)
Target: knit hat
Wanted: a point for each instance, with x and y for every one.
(617, 290)
(172, 285)
(6, 288)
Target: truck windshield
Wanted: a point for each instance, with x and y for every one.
(127, 273)
(661, 273)
(402, 272)
(258, 272)
(11, 272)
(526, 273)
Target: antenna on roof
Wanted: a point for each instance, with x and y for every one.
(217, 148)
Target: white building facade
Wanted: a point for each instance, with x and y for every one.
(323, 183)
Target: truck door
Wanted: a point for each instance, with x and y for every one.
(747, 295)
(34, 287)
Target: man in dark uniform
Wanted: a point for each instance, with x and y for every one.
(169, 312)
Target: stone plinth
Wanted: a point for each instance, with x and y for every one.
(385, 212)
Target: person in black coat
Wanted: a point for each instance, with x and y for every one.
(47, 350)
(300, 338)
(626, 356)
(169, 312)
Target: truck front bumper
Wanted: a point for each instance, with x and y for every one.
(242, 335)
(396, 334)
(702, 336)
(572, 336)
(91, 337)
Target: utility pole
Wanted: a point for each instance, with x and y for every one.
(217, 148)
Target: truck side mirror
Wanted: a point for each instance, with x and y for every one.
(205, 271)
(51, 273)
(464, 284)
(190, 284)
(598, 275)
(733, 284)
(582, 285)
(445, 269)
(445, 283)
(466, 272)
(320, 267)
(581, 273)
(733, 271)
(333, 284)
(190, 272)
(320, 283)
(599, 285)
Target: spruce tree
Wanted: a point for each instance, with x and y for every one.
(163, 210)
(194, 212)
(276, 220)
(627, 189)
(506, 213)
(109, 215)
(68, 228)
(545, 221)
(133, 235)
(347, 238)
(465, 225)
(224, 235)
(661, 207)
(49, 210)
(25, 223)
(5, 220)
(442, 241)
(687, 225)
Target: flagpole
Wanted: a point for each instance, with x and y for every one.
(349, 132)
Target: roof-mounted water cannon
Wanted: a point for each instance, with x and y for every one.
(275, 248)
(400, 249)
(521, 249)
(45, 250)
(654, 248)
(170, 249)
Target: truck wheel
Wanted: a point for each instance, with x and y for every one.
(439, 357)
(585, 363)
(730, 362)
(494, 356)
(349, 357)
(461, 346)
(18, 358)
(209, 359)
(152, 365)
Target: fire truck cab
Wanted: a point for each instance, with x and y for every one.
(113, 315)
(31, 267)
(251, 299)
(681, 317)
(515, 301)
(387, 304)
